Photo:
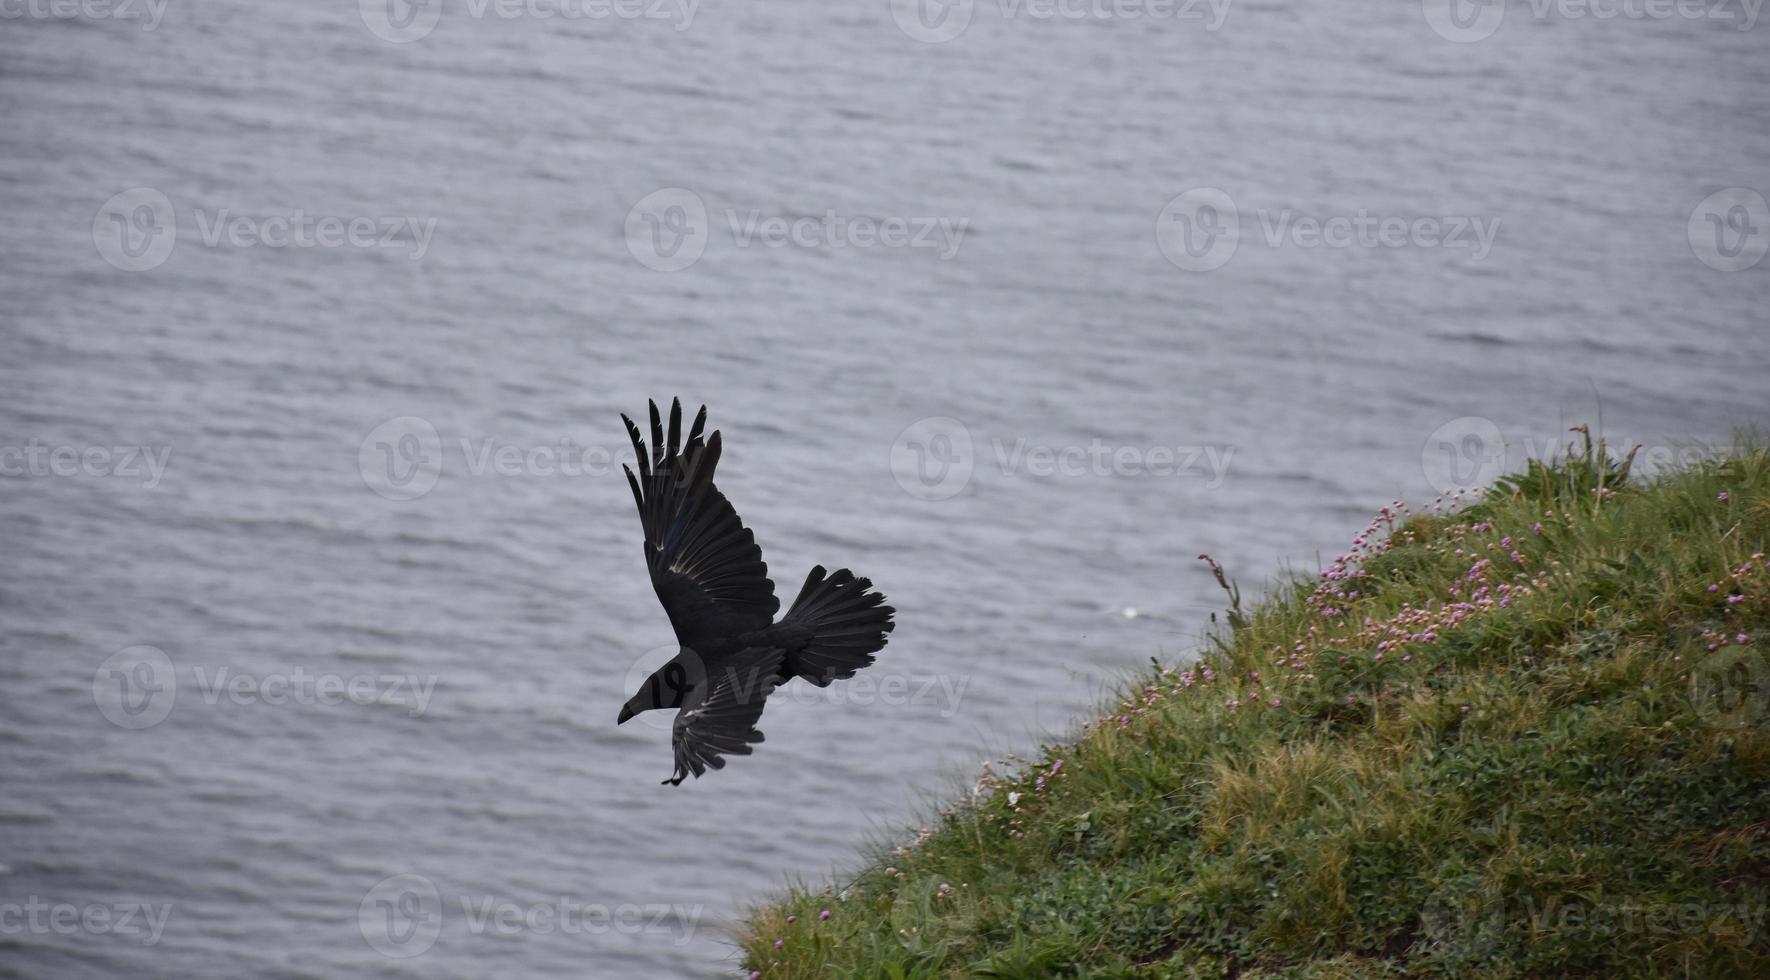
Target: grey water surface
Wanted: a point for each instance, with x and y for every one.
(321, 584)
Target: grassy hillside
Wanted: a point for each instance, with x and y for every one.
(1526, 737)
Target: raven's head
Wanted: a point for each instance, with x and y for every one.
(667, 687)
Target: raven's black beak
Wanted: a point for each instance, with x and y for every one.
(626, 713)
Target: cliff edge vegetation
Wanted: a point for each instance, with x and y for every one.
(1523, 735)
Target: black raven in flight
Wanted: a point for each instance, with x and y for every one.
(709, 575)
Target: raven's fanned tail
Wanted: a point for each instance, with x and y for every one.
(848, 624)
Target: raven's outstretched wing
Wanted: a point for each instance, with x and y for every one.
(704, 563)
(723, 721)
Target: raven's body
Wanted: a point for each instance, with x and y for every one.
(710, 577)
(789, 638)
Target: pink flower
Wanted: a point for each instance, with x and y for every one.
(778, 943)
(821, 916)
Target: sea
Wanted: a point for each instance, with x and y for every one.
(322, 585)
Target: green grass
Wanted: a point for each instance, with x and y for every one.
(1516, 738)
